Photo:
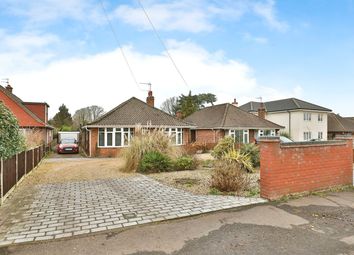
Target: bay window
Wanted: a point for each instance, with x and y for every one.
(266, 132)
(114, 137)
(239, 136)
(175, 134)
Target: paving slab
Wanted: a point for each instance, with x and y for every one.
(77, 208)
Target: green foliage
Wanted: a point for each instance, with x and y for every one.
(253, 151)
(228, 176)
(237, 157)
(11, 139)
(154, 161)
(66, 128)
(145, 141)
(224, 145)
(184, 163)
(62, 118)
(192, 103)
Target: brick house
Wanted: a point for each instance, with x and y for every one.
(31, 116)
(302, 120)
(339, 126)
(215, 122)
(112, 132)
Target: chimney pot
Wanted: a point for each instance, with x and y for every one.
(9, 88)
(150, 100)
(235, 103)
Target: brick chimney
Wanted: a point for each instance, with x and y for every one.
(179, 115)
(262, 111)
(150, 100)
(9, 88)
(235, 103)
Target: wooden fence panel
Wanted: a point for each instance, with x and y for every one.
(9, 175)
(29, 159)
(36, 154)
(21, 164)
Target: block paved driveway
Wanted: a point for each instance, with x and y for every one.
(81, 207)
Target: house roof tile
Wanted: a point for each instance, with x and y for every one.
(25, 117)
(133, 112)
(226, 116)
(283, 105)
(336, 123)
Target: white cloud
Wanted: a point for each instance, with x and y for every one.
(196, 16)
(267, 12)
(43, 11)
(25, 50)
(104, 79)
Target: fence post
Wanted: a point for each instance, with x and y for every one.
(1, 180)
(32, 159)
(25, 163)
(16, 168)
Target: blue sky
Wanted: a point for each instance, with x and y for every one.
(65, 52)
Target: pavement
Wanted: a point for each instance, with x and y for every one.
(309, 225)
(59, 210)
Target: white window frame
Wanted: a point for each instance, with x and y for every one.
(122, 131)
(175, 132)
(307, 116)
(307, 136)
(245, 135)
(262, 131)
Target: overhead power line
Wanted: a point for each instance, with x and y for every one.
(119, 44)
(162, 42)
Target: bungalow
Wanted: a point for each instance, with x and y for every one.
(303, 121)
(113, 131)
(215, 122)
(31, 116)
(338, 125)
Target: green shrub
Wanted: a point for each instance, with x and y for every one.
(237, 157)
(224, 145)
(253, 151)
(11, 138)
(154, 161)
(285, 134)
(145, 141)
(184, 163)
(229, 177)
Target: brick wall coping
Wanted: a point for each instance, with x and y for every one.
(313, 144)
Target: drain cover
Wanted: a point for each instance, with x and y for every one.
(129, 215)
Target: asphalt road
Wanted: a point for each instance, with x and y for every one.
(311, 225)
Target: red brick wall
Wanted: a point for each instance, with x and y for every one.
(304, 167)
(209, 136)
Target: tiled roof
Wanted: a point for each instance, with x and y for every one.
(133, 112)
(283, 105)
(25, 117)
(337, 123)
(226, 116)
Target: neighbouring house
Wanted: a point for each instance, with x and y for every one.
(303, 121)
(32, 116)
(339, 126)
(215, 122)
(113, 131)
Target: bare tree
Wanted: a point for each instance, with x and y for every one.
(86, 115)
(170, 105)
(96, 112)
